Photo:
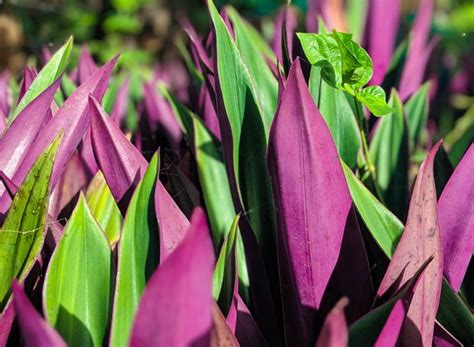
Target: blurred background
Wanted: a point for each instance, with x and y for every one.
(148, 35)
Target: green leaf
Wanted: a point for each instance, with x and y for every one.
(67, 85)
(461, 136)
(50, 72)
(22, 233)
(417, 108)
(250, 127)
(109, 96)
(138, 254)
(455, 315)
(224, 272)
(249, 43)
(374, 98)
(389, 153)
(357, 17)
(339, 116)
(104, 208)
(383, 225)
(77, 289)
(357, 66)
(323, 50)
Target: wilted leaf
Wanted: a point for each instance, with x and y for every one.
(77, 288)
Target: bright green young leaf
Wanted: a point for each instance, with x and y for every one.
(104, 208)
(264, 79)
(138, 255)
(339, 116)
(374, 98)
(357, 66)
(417, 108)
(385, 228)
(22, 233)
(389, 153)
(50, 72)
(224, 272)
(323, 50)
(77, 289)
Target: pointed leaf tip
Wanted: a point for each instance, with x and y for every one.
(311, 196)
(34, 330)
(419, 241)
(176, 306)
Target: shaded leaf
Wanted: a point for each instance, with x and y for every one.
(35, 331)
(417, 108)
(334, 331)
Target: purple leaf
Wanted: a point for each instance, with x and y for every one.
(285, 25)
(419, 241)
(72, 119)
(6, 321)
(120, 105)
(29, 74)
(119, 160)
(159, 111)
(419, 52)
(11, 187)
(384, 23)
(172, 222)
(456, 220)
(5, 102)
(334, 332)
(221, 334)
(313, 203)
(208, 112)
(176, 306)
(85, 66)
(204, 63)
(87, 154)
(442, 338)
(34, 329)
(16, 143)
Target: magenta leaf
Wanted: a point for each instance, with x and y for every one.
(120, 105)
(85, 66)
(72, 119)
(119, 160)
(312, 199)
(29, 74)
(6, 320)
(418, 52)
(384, 23)
(160, 112)
(419, 241)
(456, 220)
(334, 332)
(172, 222)
(34, 329)
(176, 306)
